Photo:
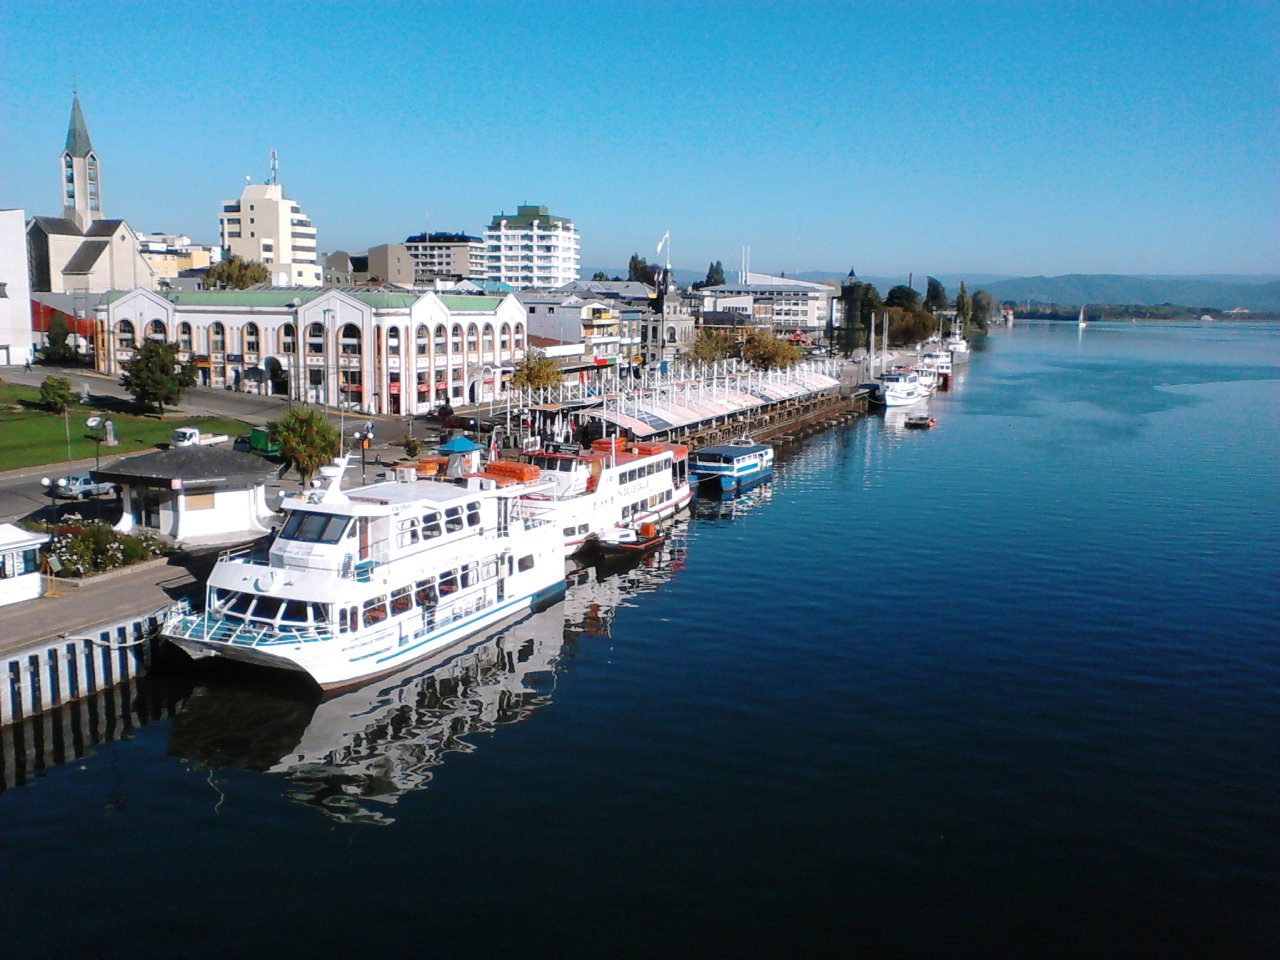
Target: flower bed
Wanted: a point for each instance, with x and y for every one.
(86, 548)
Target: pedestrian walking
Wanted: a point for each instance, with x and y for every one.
(27, 366)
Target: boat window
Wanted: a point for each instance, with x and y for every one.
(219, 599)
(453, 520)
(320, 613)
(473, 513)
(307, 527)
(490, 570)
(241, 602)
(375, 611)
(401, 600)
(266, 608)
(583, 527)
(425, 593)
(469, 575)
(295, 611)
(449, 582)
(342, 619)
(568, 531)
(526, 563)
(431, 525)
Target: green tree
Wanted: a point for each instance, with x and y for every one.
(154, 375)
(715, 274)
(712, 345)
(908, 327)
(935, 297)
(307, 440)
(599, 275)
(871, 305)
(964, 306)
(58, 349)
(638, 268)
(764, 351)
(903, 297)
(233, 273)
(56, 394)
(984, 306)
(536, 370)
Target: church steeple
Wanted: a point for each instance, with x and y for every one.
(81, 186)
(78, 144)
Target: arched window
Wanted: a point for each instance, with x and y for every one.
(217, 337)
(422, 339)
(504, 339)
(315, 339)
(487, 342)
(350, 340)
(156, 331)
(124, 333)
(519, 334)
(184, 336)
(393, 341)
(473, 338)
(441, 335)
(671, 334)
(250, 334)
(286, 338)
(455, 339)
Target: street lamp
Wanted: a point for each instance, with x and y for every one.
(93, 423)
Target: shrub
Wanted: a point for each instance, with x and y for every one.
(87, 548)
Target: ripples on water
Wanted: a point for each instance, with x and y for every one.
(1006, 686)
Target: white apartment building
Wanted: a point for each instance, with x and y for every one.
(376, 351)
(532, 248)
(787, 305)
(265, 226)
(595, 324)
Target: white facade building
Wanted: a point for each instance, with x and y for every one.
(265, 226)
(787, 305)
(573, 319)
(375, 351)
(19, 564)
(532, 248)
(16, 341)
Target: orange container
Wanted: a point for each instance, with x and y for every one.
(498, 478)
(649, 449)
(647, 530)
(517, 472)
(431, 466)
(609, 444)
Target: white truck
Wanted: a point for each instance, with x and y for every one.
(191, 437)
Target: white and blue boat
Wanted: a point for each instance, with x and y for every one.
(732, 467)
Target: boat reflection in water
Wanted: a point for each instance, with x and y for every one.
(726, 508)
(355, 754)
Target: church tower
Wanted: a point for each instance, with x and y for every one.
(81, 183)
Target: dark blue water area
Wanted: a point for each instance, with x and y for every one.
(1010, 686)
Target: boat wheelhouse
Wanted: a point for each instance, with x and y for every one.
(899, 388)
(362, 582)
(732, 467)
(615, 483)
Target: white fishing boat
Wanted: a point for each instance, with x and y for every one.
(956, 344)
(588, 492)
(362, 582)
(899, 388)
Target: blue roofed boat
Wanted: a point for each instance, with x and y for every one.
(732, 467)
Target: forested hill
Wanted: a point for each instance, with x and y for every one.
(1082, 288)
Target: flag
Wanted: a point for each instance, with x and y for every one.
(665, 237)
(493, 445)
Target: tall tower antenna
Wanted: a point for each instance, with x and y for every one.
(274, 168)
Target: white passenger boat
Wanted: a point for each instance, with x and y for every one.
(362, 582)
(733, 467)
(899, 388)
(956, 344)
(611, 485)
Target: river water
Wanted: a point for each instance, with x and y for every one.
(1009, 686)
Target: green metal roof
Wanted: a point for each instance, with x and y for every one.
(385, 300)
(78, 144)
(463, 303)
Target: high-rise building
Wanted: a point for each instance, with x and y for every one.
(532, 248)
(265, 226)
(454, 256)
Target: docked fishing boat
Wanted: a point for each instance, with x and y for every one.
(899, 388)
(362, 582)
(732, 467)
(587, 492)
(630, 541)
(956, 344)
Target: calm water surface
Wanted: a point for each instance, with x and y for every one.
(1011, 686)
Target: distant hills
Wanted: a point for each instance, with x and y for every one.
(1259, 293)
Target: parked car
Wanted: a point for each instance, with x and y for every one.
(79, 488)
(191, 437)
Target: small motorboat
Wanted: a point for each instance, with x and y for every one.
(623, 541)
(921, 422)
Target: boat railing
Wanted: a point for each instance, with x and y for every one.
(211, 628)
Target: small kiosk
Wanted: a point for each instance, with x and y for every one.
(19, 564)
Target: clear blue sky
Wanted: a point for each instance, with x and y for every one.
(939, 138)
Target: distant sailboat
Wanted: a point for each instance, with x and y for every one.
(1081, 323)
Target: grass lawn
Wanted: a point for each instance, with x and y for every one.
(30, 435)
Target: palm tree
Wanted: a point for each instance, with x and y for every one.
(307, 440)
